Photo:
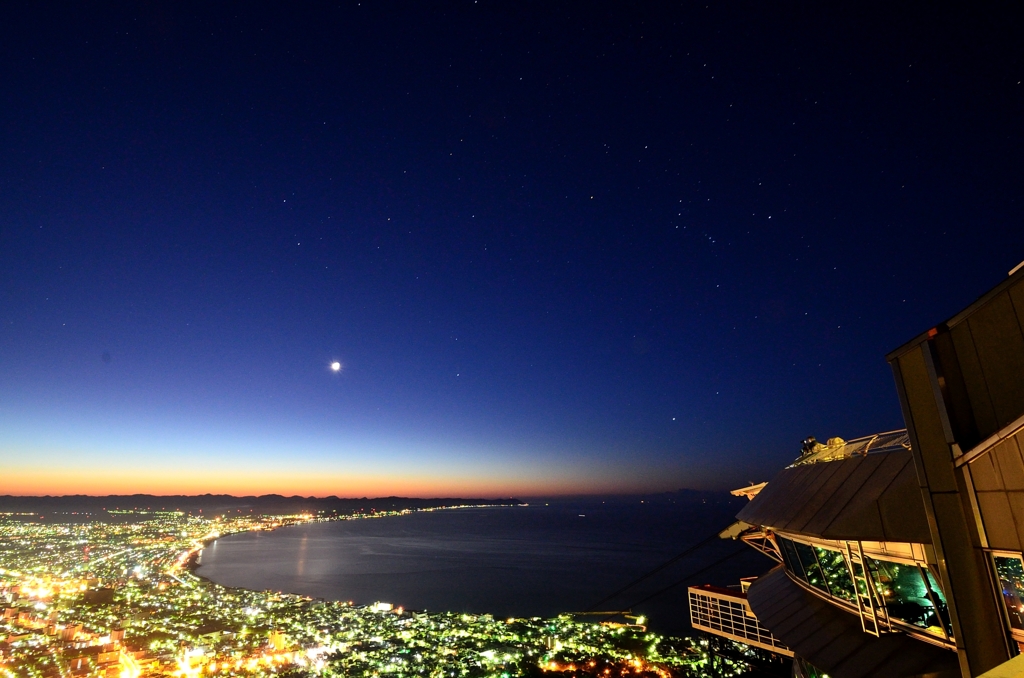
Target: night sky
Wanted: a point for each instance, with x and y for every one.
(557, 248)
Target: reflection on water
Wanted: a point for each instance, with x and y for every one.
(300, 558)
(521, 561)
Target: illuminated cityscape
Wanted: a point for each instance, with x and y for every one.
(117, 598)
(271, 270)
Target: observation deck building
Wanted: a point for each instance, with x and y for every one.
(900, 554)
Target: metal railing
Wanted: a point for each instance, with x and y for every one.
(837, 448)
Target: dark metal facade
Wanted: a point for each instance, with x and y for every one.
(961, 387)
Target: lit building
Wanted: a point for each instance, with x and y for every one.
(900, 554)
(857, 590)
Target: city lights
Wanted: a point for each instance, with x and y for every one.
(116, 598)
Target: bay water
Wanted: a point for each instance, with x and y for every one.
(539, 560)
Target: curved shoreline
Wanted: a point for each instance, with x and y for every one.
(192, 564)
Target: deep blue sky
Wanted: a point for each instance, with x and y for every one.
(557, 247)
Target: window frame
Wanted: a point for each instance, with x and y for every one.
(945, 639)
(1016, 634)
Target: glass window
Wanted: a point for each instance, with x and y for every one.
(1010, 571)
(790, 556)
(909, 593)
(837, 574)
(804, 669)
(939, 597)
(905, 594)
(807, 558)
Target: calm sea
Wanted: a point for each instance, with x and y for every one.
(538, 560)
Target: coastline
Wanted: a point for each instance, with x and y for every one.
(522, 564)
(191, 564)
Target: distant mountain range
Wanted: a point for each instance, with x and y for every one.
(682, 496)
(214, 504)
(223, 503)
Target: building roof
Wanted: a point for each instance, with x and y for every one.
(832, 640)
(874, 497)
(750, 491)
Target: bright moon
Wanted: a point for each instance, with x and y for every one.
(336, 366)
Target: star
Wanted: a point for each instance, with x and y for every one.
(336, 366)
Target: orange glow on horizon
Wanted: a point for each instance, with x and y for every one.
(95, 482)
